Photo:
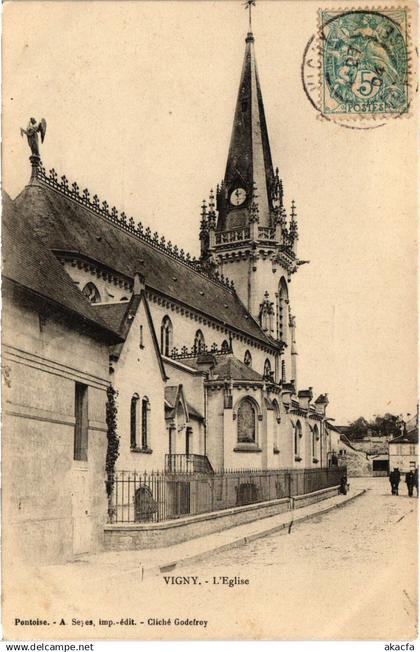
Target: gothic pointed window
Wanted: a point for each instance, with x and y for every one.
(283, 311)
(315, 439)
(166, 336)
(276, 421)
(145, 410)
(248, 359)
(199, 342)
(225, 346)
(297, 438)
(134, 408)
(247, 420)
(91, 292)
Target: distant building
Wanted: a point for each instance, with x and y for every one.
(403, 450)
(343, 452)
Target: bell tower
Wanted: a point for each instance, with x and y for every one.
(246, 233)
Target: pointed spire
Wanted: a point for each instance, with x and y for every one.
(293, 229)
(211, 215)
(203, 222)
(278, 191)
(249, 159)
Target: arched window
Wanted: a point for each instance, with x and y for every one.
(247, 420)
(199, 342)
(134, 409)
(248, 359)
(276, 421)
(267, 369)
(225, 346)
(297, 437)
(91, 292)
(145, 410)
(315, 439)
(166, 334)
(283, 312)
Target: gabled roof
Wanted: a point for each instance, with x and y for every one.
(28, 264)
(174, 394)
(120, 316)
(112, 313)
(230, 367)
(66, 224)
(227, 367)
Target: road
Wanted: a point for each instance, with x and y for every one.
(348, 574)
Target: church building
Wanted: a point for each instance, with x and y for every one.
(200, 354)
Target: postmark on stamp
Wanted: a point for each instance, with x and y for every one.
(364, 63)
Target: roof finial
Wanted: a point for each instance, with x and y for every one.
(248, 4)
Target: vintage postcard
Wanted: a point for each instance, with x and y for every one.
(209, 362)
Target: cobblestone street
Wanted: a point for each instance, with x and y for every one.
(347, 574)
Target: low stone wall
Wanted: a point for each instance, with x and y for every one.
(143, 536)
(315, 496)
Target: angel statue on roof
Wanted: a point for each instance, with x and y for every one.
(31, 133)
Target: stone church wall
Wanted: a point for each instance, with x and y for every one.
(138, 372)
(185, 328)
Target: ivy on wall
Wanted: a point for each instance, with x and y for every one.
(112, 452)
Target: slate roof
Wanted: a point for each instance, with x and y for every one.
(112, 313)
(66, 225)
(30, 265)
(193, 412)
(227, 366)
(171, 394)
(230, 367)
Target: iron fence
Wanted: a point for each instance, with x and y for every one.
(160, 496)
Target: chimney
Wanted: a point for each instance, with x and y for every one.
(321, 404)
(138, 286)
(288, 390)
(305, 397)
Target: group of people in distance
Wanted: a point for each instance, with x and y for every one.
(411, 480)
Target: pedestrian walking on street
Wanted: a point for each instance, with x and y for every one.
(394, 478)
(409, 481)
(416, 481)
(343, 485)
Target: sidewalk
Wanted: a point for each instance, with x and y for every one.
(146, 563)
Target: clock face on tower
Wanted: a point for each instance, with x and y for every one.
(238, 197)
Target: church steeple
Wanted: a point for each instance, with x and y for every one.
(249, 161)
(250, 237)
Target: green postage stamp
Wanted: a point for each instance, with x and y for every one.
(364, 62)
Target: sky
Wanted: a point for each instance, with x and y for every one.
(139, 100)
